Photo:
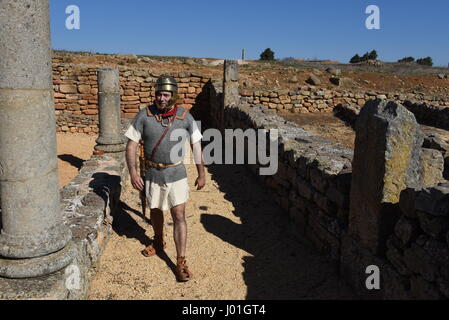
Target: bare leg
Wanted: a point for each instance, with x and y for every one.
(157, 220)
(179, 229)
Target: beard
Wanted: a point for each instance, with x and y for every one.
(168, 106)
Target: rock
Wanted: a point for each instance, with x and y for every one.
(313, 80)
(293, 79)
(442, 76)
(436, 227)
(433, 201)
(334, 71)
(419, 261)
(397, 259)
(432, 163)
(406, 230)
(68, 88)
(84, 88)
(386, 160)
(335, 80)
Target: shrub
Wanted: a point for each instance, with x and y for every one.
(267, 55)
(367, 56)
(425, 61)
(355, 59)
(407, 59)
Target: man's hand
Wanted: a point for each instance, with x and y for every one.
(137, 181)
(200, 182)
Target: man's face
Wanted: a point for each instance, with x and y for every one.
(162, 98)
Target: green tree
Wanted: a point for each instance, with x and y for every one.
(267, 55)
(365, 57)
(355, 59)
(425, 61)
(407, 59)
(372, 55)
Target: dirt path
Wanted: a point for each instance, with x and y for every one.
(72, 149)
(240, 246)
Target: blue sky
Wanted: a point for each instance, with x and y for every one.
(326, 29)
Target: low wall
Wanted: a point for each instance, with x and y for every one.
(313, 177)
(313, 99)
(87, 202)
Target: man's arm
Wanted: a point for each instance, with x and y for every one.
(199, 162)
(136, 179)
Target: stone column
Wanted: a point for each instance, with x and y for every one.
(111, 138)
(386, 161)
(231, 96)
(33, 240)
(231, 83)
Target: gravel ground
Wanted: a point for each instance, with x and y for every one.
(240, 243)
(240, 246)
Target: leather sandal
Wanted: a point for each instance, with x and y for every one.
(182, 270)
(157, 246)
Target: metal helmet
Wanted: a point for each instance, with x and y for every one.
(166, 83)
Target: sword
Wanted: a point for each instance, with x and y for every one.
(142, 174)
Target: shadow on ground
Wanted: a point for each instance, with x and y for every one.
(282, 264)
(125, 225)
(73, 160)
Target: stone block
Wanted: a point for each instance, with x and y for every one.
(68, 88)
(304, 189)
(84, 88)
(318, 180)
(436, 227)
(433, 201)
(396, 257)
(386, 161)
(419, 261)
(406, 230)
(313, 80)
(432, 163)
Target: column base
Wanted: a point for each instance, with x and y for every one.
(35, 267)
(110, 147)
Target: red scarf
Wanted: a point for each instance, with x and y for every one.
(169, 113)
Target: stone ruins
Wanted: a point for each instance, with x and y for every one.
(383, 204)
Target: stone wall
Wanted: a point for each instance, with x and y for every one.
(313, 177)
(76, 89)
(418, 248)
(87, 202)
(313, 99)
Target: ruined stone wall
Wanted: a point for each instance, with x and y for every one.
(76, 89)
(313, 186)
(418, 248)
(313, 177)
(313, 99)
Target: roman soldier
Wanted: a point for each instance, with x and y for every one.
(165, 177)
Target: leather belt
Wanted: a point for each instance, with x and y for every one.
(151, 164)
